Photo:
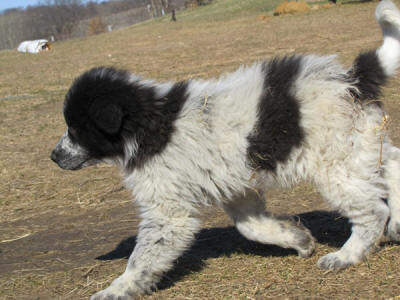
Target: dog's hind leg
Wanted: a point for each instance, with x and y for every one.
(253, 222)
(355, 191)
(392, 176)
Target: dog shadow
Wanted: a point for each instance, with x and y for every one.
(327, 227)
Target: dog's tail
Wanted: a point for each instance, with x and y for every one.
(388, 54)
(372, 69)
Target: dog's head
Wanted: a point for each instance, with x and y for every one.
(93, 111)
(115, 117)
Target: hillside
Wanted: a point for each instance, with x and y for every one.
(58, 20)
(65, 235)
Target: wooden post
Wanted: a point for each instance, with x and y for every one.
(173, 18)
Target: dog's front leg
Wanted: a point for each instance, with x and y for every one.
(163, 235)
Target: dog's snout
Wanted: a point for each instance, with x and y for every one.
(68, 156)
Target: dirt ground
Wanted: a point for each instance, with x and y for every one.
(65, 235)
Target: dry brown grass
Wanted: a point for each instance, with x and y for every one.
(290, 7)
(53, 224)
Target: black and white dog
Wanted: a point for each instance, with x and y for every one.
(223, 142)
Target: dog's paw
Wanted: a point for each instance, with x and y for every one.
(110, 295)
(104, 295)
(393, 231)
(120, 289)
(334, 261)
(306, 244)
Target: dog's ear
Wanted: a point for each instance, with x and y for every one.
(107, 116)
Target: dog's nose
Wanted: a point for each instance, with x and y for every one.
(53, 156)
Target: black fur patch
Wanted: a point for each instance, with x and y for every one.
(153, 121)
(277, 130)
(105, 109)
(370, 77)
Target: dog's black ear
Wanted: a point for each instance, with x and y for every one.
(107, 116)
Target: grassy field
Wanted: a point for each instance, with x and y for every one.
(65, 235)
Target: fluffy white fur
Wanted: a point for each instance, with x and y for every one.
(346, 154)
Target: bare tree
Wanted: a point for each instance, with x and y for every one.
(63, 19)
(96, 26)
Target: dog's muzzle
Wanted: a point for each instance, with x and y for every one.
(70, 156)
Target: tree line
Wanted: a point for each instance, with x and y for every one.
(59, 19)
